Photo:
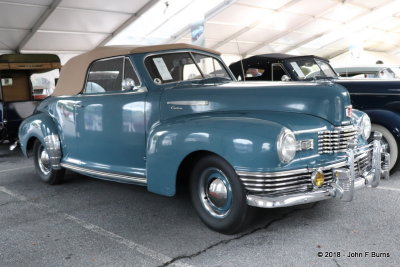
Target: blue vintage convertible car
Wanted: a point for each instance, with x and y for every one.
(161, 116)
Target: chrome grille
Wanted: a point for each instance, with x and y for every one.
(362, 163)
(282, 185)
(277, 184)
(336, 140)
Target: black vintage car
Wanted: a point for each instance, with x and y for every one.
(25, 80)
(380, 99)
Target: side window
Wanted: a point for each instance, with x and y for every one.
(130, 73)
(105, 76)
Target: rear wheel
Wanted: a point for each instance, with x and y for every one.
(43, 166)
(218, 195)
(388, 143)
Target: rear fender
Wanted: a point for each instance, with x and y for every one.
(43, 128)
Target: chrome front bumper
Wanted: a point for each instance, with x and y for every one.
(345, 181)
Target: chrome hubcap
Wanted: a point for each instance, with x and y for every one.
(215, 192)
(44, 161)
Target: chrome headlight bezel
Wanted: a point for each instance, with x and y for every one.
(365, 126)
(286, 145)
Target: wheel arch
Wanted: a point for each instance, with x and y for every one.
(29, 145)
(184, 169)
(40, 127)
(388, 119)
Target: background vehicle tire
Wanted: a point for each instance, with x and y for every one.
(389, 143)
(43, 167)
(218, 195)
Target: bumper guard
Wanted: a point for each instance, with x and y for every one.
(343, 185)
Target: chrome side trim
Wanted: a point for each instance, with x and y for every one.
(128, 92)
(107, 175)
(189, 103)
(53, 147)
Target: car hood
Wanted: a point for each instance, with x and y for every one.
(325, 100)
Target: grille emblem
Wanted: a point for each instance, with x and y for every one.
(304, 144)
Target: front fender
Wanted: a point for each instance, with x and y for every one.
(389, 119)
(246, 143)
(39, 126)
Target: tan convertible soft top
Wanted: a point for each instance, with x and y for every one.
(73, 74)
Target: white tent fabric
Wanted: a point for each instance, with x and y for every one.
(322, 27)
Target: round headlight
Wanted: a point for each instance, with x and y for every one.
(286, 145)
(365, 126)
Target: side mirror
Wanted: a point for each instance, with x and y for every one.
(128, 84)
(285, 78)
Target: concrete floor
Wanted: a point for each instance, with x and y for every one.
(89, 222)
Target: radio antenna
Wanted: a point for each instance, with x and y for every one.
(241, 60)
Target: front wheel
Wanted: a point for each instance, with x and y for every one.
(218, 195)
(43, 166)
(388, 143)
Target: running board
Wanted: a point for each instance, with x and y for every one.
(107, 175)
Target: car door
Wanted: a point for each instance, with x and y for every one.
(110, 131)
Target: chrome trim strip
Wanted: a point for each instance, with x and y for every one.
(358, 156)
(125, 178)
(285, 173)
(189, 103)
(129, 92)
(272, 183)
(316, 130)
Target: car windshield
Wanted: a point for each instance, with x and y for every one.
(185, 66)
(311, 68)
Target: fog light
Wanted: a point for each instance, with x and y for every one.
(317, 178)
